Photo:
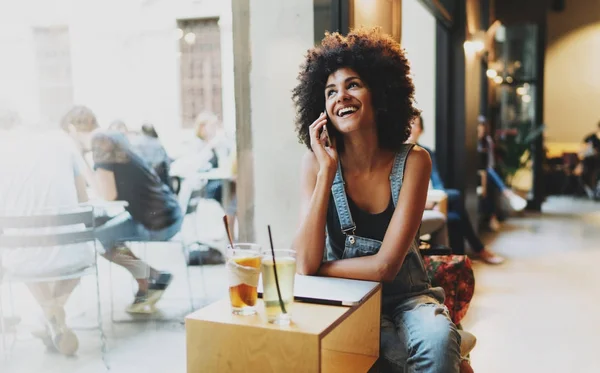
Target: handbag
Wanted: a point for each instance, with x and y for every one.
(454, 274)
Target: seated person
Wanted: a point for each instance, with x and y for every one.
(434, 224)
(494, 186)
(590, 155)
(118, 125)
(40, 174)
(153, 212)
(363, 192)
(148, 146)
(208, 145)
(457, 214)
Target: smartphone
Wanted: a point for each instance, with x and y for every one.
(325, 133)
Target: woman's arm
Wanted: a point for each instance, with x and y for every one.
(106, 184)
(309, 241)
(385, 265)
(80, 187)
(318, 172)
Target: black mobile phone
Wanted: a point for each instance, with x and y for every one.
(325, 132)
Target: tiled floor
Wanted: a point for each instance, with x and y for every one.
(537, 313)
(540, 311)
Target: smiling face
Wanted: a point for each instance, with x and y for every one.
(348, 101)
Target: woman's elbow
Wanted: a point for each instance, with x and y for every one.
(386, 272)
(306, 270)
(306, 267)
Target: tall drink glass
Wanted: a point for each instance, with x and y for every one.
(285, 262)
(243, 272)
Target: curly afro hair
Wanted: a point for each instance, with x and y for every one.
(380, 62)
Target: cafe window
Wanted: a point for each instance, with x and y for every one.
(200, 65)
(419, 40)
(322, 19)
(53, 67)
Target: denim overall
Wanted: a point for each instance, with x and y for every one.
(417, 334)
(412, 279)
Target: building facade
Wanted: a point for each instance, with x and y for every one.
(126, 59)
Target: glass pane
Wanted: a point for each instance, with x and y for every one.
(322, 20)
(516, 53)
(513, 77)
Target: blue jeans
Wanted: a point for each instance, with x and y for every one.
(495, 188)
(496, 179)
(418, 336)
(123, 228)
(459, 225)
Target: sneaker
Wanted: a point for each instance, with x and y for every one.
(588, 191)
(63, 339)
(160, 282)
(467, 342)
(516, 202)
(490, 257)
(494, 224)
(144, 301)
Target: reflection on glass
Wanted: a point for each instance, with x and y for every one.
(513, 78)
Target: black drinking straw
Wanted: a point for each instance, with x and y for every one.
(275, 271)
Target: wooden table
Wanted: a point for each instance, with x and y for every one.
(321, 339)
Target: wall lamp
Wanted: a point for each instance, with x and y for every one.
(481, 41)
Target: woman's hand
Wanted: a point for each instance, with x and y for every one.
(323, 146)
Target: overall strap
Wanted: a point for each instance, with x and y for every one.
(341, 203)
(397, 174)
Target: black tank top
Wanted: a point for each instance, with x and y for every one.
(367, 225)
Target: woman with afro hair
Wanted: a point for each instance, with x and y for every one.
(363, 192)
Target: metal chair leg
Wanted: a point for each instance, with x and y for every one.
(11, 298)
(3, 325)
(188, 279)
(110, 290)
(100, 323)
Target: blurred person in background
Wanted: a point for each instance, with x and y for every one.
(434, 223)
(590, 155)
(458, 217)
(119, 126)
(493, 184)
(152, 213)
(40, 173)
(148, 146)
(209, 149)
(206, 150)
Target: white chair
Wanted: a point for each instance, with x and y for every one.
(16, 233)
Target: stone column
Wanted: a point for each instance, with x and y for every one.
(270, 39)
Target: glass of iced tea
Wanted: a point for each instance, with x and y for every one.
(243, 271)
(278, 311)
